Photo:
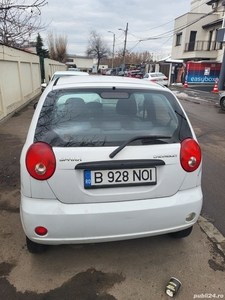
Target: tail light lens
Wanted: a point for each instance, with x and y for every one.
(165, 78)
(190, 155)
(154, 80)
(40, 161)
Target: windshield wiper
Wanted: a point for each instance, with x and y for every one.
(139, 137)
(183, 117)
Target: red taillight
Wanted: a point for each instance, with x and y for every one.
(190, 155)
(154, 80)
(41, 230)
(40, 161)
(165, 78)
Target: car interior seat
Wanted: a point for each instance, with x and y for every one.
(74, 108)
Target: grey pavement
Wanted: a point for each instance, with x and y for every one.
(146, 265)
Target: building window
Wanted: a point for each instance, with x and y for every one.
(69, 60)
(210, 40)
(179, 38)
(192, 39)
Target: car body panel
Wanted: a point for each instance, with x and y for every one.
(157, 77)
(222, 100)
(73, 213)
(58, 74)
(69, 72)
(167, 185)
(134, 74)
(103, 222)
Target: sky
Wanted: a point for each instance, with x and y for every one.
(150, 23)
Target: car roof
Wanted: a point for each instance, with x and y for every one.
(102, 81)
(75, 73)
(156, 73)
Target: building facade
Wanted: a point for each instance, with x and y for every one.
(195, 33)
(84, 63)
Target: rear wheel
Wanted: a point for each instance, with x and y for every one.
(34, 247)
(222, 103)
(182, 233)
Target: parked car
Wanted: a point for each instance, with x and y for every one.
(58, 74)
(104, 71)
(115, 71)
(157, 77)
(106, 159)
(222, 100)
(134, 74)
(122, 73)
(73, 69)
(108, 72)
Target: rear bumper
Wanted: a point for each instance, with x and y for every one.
(102, 222)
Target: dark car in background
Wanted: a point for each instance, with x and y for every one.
(104, 71)
(134, 74)
(122, 73)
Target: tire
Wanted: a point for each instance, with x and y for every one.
(182, 233)
(222, 103)
(34, 247)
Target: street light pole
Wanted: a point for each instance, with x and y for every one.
(113, 47)
(125, 43)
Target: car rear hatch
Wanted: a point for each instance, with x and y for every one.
(114, 146)
(129, 176)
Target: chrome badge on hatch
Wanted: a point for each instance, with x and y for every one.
(69, 159)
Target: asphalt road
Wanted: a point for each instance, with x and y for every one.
(137, 269)
(204, 88)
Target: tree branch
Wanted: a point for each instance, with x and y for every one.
(37, 4)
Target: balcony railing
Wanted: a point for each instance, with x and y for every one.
(202, 46)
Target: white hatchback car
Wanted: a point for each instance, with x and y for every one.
(106, 159)
(58, 74)
(157, 77)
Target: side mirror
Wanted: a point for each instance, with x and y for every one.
(43, 86)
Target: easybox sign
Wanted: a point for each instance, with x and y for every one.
(202, 72)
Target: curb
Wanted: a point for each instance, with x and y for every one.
(213, 233)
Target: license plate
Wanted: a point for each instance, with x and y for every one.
(119, 178)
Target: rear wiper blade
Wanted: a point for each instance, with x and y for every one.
(180, 115)
(139, 137)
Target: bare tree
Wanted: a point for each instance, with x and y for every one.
(57, 46)
(97, 47)
(12, 4)
(136, 58)
(18, 22)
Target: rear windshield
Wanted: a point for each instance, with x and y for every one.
(110, 117)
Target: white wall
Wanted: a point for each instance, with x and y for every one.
(51, 66)
(20, 79)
